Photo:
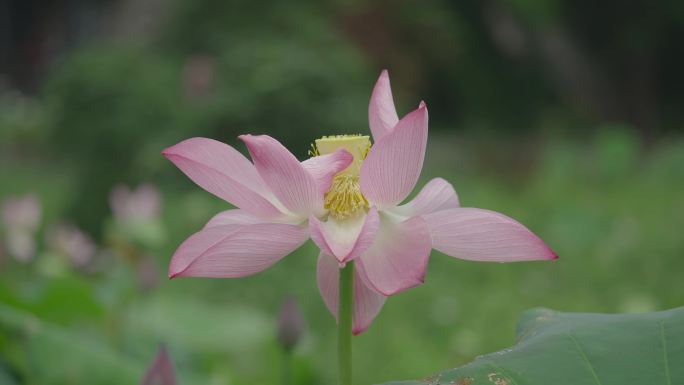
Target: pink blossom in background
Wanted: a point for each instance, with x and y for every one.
(21, 218)
(161, 371)
(137, 216)
(149, 272)
(199, 75)
(135, 205)
(291, 324)
(348, 199)
(70, 242)
(22, 212)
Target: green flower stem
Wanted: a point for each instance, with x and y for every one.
(344, 325)
(286, 375)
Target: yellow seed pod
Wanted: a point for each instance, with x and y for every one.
(357, 145)
(344, 198)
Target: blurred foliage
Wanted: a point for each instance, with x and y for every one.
(609, 209)
(295, 71)
(118, 105)
(559, 117)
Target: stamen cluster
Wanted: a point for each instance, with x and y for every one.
(344, 199)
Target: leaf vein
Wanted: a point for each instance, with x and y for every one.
(585, 358)
(665, 357)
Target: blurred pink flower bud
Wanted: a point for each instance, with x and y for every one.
(161, 371)
(198, 76)
(21, 217)
(290, 324)
(69, 241)
(22, 212)
(139, 205)
(148, 273)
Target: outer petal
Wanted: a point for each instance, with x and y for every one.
(382, 116)
(230, 252)
(235, 217)
(393, 164)
(345, 240)
(324, 167)
(224, 172)
(284, 175)
(398, 258)
(367, 302)
(436, 195)
(483, 235)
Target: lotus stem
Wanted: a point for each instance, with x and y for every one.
(344, 325)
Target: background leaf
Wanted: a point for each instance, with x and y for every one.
(54, 355)
(581, 348)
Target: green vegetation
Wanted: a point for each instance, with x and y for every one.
(568, 121)
(612, 212)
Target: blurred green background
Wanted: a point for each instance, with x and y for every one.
(566, 115)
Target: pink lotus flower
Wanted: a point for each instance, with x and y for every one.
(347, 199)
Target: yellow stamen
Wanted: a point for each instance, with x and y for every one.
(313, 151)
(344, 198)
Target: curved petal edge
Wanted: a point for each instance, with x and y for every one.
(294, 187)
(324, 167)
(398, 258)
(382, 115)
(436, 195)
(390, 171)
(225, 172)
(348, 239)
(483, 235)
(230, 252)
